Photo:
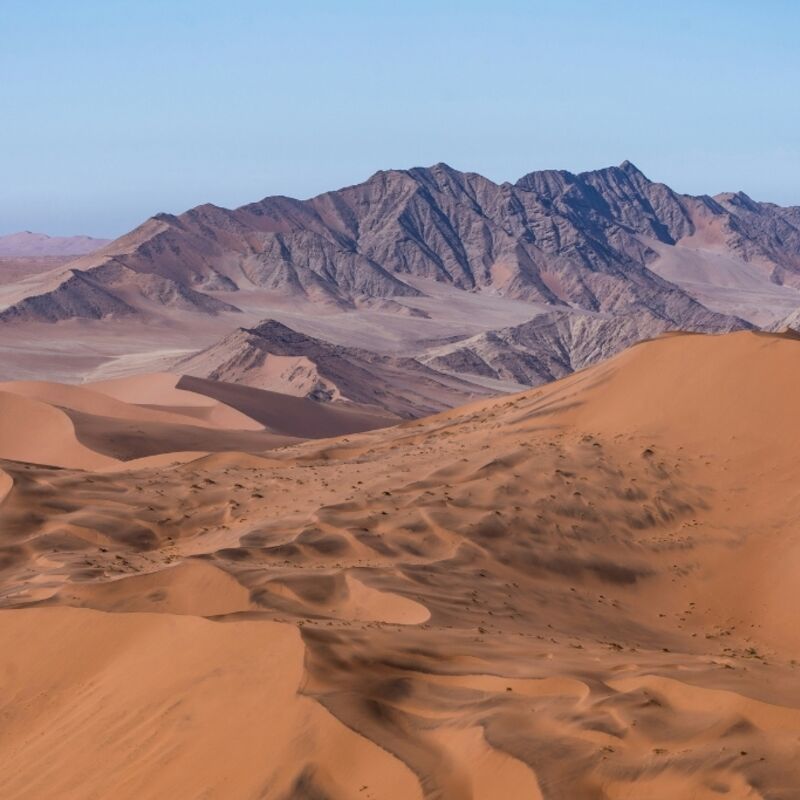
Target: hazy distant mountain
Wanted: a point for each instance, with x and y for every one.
(30, 245)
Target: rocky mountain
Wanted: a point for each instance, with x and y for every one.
(26, 244)
(275, 357)
(417, 289)
(763, 232)
(108, 291)
(582, 241)
(547, 347)
(552, 345)
(790, 322)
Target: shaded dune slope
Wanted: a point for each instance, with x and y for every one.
(293, 416)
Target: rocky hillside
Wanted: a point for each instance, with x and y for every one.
(273, 356)
(547, 347)
(416, 290)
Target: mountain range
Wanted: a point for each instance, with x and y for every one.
(427, 277)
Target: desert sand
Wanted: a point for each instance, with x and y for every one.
(585, 590)
(108, 423)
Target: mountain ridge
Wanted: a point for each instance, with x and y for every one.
(553, 236)
(432, 276)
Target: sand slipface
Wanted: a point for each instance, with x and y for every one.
(585, 590)
(129, 420)
(34, 431)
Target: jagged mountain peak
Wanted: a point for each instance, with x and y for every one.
(272, 329)
(630, 168)
(738, 199)
(547, 182)
(164, 216)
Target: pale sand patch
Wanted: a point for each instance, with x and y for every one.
(480, 772)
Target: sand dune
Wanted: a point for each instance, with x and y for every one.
(157, 388)
(158, 391)
(581, 591)
(39, 433)
(291, 416)
(71, 426)
(230, 693)
(6, 482)
(129, 440)
(87, 401)
(101, 425)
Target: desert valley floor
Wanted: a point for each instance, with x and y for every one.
(584, 590)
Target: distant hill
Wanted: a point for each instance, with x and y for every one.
(33, 245)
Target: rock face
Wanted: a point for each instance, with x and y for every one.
(789, 322)
(275, 357)
(763, 232)
(103, 292)
(568, 240)
(548, 347)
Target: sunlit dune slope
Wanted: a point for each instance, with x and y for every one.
(34, 431)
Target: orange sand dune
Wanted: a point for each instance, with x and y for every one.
(289, 415)
(6, 483)
(585, 590)
(734, 393)
(158, 390)
(74, 427)
(110, 420)
(106, 722)
(39, 433)
(87, 401)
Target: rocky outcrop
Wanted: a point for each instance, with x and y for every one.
(549, 346)
(77, 295)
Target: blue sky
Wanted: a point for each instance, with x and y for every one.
(113, 111)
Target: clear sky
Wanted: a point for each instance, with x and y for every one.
(115, 110)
